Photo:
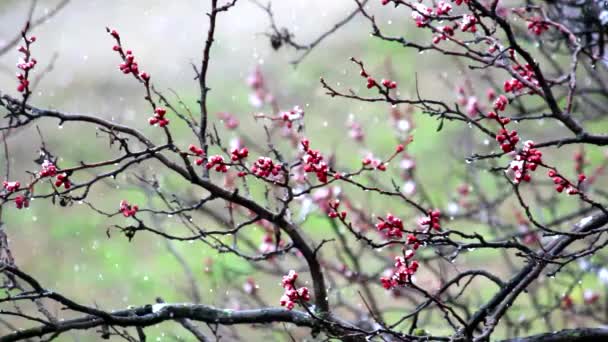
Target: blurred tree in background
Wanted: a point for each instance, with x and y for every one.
(180, 172)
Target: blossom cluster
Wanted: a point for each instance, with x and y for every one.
(334, 213)
(63, 180)
(374, 163)
(11, 186)
(26, 64)
(127, 209)
(292, 293)
(239, 153)
(197, 152)
(371, 82)
(48, 169)
(313, 162)
(432, 221)
(21, 202)
(218, 163)
(537, 25)
(404, 267)
(265, 167)
(528, 159)
(130, 66)
(392, 226)
(159, 117)
(561, 183)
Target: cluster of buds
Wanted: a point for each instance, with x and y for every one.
(375, 163)
(265, 167)
(537, 25)
(129, 65)
(159, 117)
(443, 8)
(218, 163)
(11, 186)
(421, 14)
(48, 169)
(62, 179)
(127, 209)
(239, 153)
(296, 113)
(468, 23)
(432, 220)
(24, 83)
(413, 241)
(562, 183)
(371, 82)
(527, 73)
(334, 213)
(389, 84)
(513, 85)
(230, 121)
(22, 202)
(402, 274)
(293, 294)
(507, 139)
(393, 226)
(444, 33)
(26, 64)
(198, 152)
(313, 162)
(501, 103)
(526, 160)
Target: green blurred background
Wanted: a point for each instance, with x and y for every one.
(67, 249)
